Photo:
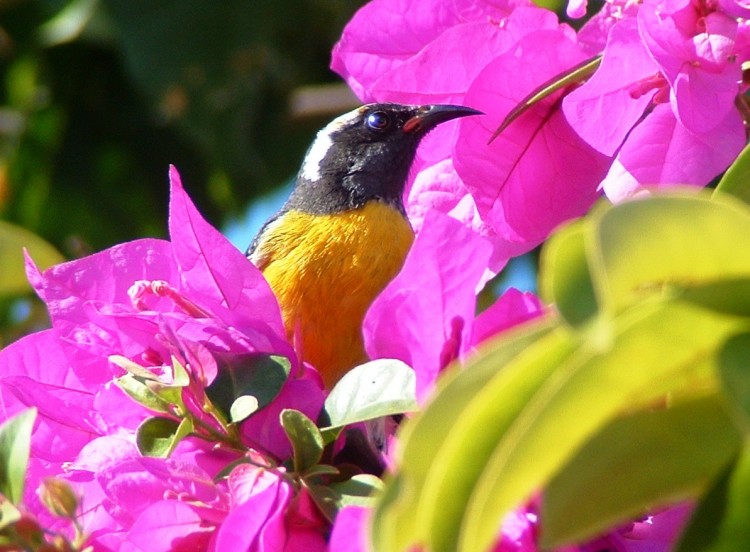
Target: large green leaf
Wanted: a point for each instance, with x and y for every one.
(565, 279)
(721, 522)
(15, 444)
(734, 369)
(13, 240)
(663, 243)
(653, 346)
(635, 463)
(503, 427)
(395, 522)
(736, 180)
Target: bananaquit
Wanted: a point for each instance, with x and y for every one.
(343, 233)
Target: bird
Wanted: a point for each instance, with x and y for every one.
(343, 234)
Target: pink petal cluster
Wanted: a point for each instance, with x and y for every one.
(195, 300)
(488, 55)
(663, 100)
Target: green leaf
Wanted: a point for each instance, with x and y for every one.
(259, 375)
(654, 346)
(15, 444)
(395, 525)
(132, 367)
(319, 470)
(305, 437)
(141, 393)
(730, 295)
(734, 372)
(628, 244)
(69, 23)
(658, 457)
(242, 408)
(372, 390)
(736, 180)
(565, 279)
(360, 490)
(721, 522)
(158, 436)
(180, 376)
(9, 514)
(13, 240)
(505, 425)
(325, 498)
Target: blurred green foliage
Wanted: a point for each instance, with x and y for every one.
(98, 97)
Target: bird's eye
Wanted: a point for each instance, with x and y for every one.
(378, 120)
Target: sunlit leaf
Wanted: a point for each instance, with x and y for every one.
(564, 275)
(666, 243)
(15, 444)
(395, 523)
(69, 23)
(141, 393)
(653, 345)
(374, 389)
(734, 370)
(305, 438)
(13, 240)
(721, 522)
(636, 463)
(360, 490)
(503, 439)
(9, 514)
(736, 180)
(158, 436)
(242, 408)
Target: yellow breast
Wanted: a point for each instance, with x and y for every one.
(326, 270)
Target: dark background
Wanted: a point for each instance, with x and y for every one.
(99, 96)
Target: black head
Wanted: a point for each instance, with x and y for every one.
(366, 154)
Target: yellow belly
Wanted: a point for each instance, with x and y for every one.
(326, 270)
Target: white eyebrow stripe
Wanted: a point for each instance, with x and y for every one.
(315, 156)
(323, 142)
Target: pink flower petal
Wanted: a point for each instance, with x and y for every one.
(168, 525)
(425, 313)
(538, 172)
(576, 8)
(661, 152)
(255, 521)
(214, 270)
(443, 70)
(604, 109)
(703, 70)
(438, 187)
(349, 530)
(384, 34)
(512, 308)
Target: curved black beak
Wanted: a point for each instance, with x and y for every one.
(430, 116)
